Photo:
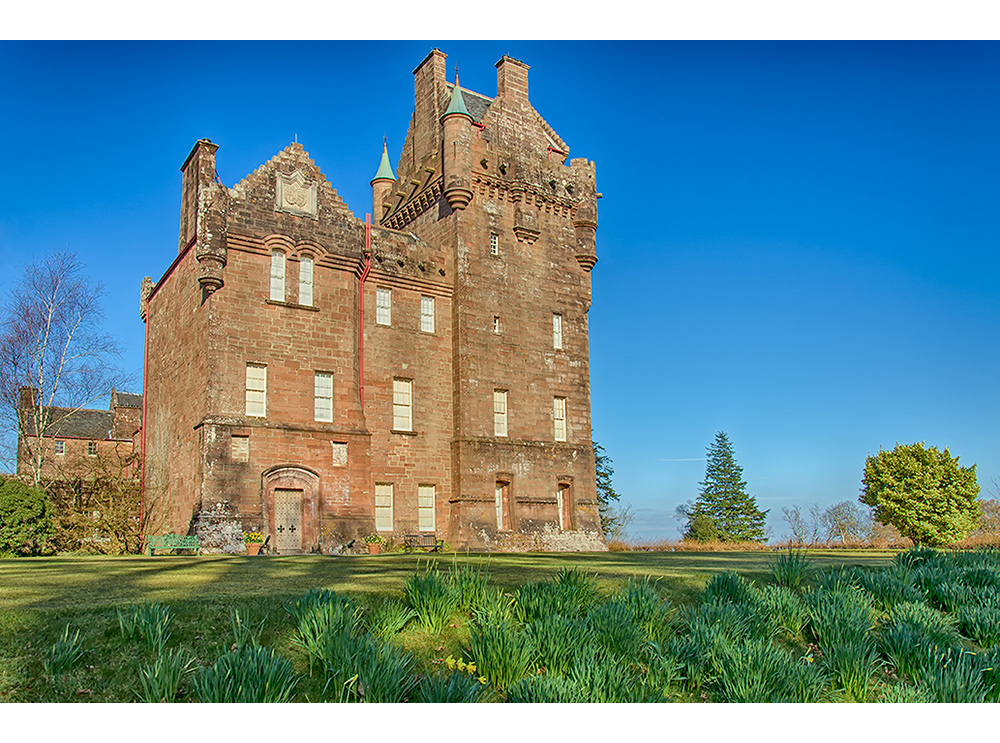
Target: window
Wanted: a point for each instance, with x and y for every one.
(60, 447)
(402, 405)
(383, 506)
(306, 280)
(240, 448)
(383, 306)
(425, 507)
(496, 324)
(427, 314)
(256, 390)
(557, 331)
(91, 448)
(502, 495)
(323, 397)
(494, 244)
(559, 416)
(277, 276)
(564, 503)
(499, 412)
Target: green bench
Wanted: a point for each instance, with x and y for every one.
(172, 542)
(422, 541)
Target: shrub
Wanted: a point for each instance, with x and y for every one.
(839, 616)
(385, 674)
(244, 635)
(471, 584)
(432, 598)
(785, 608)
(546, 689)
(386, 617)
(853, 667)
(148, 622)
(64, 653)
(953, 676)
(889, 588)
(246, 676)
(502, 654)
(759, 671)
(730, 587)
(161, 681)
(556, 638)
(980, 623)
(613, 627)
(456, 687)
(26, 526)
(791, 570)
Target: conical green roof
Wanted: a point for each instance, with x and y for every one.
(384, 168)
(457, 103)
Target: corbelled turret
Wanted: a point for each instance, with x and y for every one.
(456, 125)
(382, 185)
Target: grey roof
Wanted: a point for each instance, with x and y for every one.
(128, 400)
(81, 424)
(475, 103)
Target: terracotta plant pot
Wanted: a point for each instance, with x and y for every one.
(253, 548)
(374, 549)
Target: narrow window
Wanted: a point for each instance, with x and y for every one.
(60, 447)
(564, 502)
(499, 412)
(425, 507)
(240, 448)
(256, 390)
(496, 324)
(277, 276)
(494, 244)
(323, 397)
(383, 506)
(91, 448)
(402, 404)
(383, 306)
(557, 331)
(502, 496)
(559, 416)
(427, 314)
(306, 281)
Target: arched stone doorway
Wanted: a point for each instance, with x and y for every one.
(291, 508)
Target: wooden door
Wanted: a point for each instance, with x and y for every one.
(288, 520)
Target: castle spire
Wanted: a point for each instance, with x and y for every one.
(457, 103)
(382, 184)
(384, 168)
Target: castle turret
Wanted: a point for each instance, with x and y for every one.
(382, 185)
(456, 123)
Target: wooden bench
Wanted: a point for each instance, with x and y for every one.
(422, 541)
(172, 542)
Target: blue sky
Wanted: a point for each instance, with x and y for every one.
(797, 242)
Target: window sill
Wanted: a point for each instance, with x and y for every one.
(292, 305)
(404, 433)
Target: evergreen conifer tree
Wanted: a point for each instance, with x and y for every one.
(724, 498)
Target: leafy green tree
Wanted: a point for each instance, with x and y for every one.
(607, 498)
(923, 492)
(25, 520)
(724, 499)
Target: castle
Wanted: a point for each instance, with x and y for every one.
(320, 378)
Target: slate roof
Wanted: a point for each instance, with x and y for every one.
(128, 400)
(82, 424)
(475, 104)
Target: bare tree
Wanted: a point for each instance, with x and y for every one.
(804, 531)
(54, 359)
(846, 521)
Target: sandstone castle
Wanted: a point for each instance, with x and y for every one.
(318, 377)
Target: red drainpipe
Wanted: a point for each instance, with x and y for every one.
(142, 430)
(361, 308)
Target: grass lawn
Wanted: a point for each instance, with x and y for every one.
(40, 596)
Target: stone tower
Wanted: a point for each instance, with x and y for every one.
(487, 180)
